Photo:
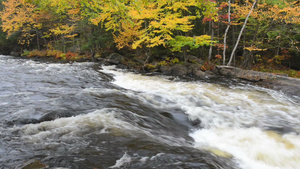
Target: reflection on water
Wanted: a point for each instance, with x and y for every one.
(82, 115)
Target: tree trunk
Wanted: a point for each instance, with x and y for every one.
(212, 38)
(148, 55)
(64, 44)
(226, 32)
(37, 39)
(185, 52)
(239, 37)
(248, 55)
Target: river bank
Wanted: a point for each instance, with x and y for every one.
(192, 68)
(289, 86)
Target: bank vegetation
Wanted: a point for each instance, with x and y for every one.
(262, 35)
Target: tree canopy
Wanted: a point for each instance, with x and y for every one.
(181, 27)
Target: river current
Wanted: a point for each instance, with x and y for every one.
(84, 115)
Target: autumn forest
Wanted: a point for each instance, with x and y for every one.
(262, 35)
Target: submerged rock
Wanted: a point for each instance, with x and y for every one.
(24, 121)
(54, 115)
(196, 122)
(32, 164)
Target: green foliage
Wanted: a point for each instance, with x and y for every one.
(175, 60)
(150, 66)
(280, 3)
(169, 61)
(163, 63)
(97, 39)
(292, 73)
(8, 45)
(25, 53)
(273, 34)
(192, 42)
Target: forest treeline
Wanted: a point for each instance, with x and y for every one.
(207, 29)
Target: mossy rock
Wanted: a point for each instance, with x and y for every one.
(115, 58)
(193, 59)
(179, 70)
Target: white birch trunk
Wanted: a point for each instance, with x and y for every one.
(238, 40)
(226, 32)
(212, 38)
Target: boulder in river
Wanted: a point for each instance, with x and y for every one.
(54, 115)
(23, 121)
(15, 54)
(32, 164)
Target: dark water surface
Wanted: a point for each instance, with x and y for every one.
(82, 115)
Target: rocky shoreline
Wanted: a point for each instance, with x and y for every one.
(191, 69)
(287, 85)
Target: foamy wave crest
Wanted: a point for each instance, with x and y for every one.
(252, 147)
(105, 120)
(234, 119)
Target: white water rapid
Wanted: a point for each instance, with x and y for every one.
(84, 115)
(257, 127)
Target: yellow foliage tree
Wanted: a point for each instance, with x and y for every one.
(154, 22)
(19, 15)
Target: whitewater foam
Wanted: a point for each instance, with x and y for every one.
(233, 119)
(72, 126)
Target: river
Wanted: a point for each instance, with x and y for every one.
(84, 115)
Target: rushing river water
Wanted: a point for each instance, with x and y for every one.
(82, 115)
